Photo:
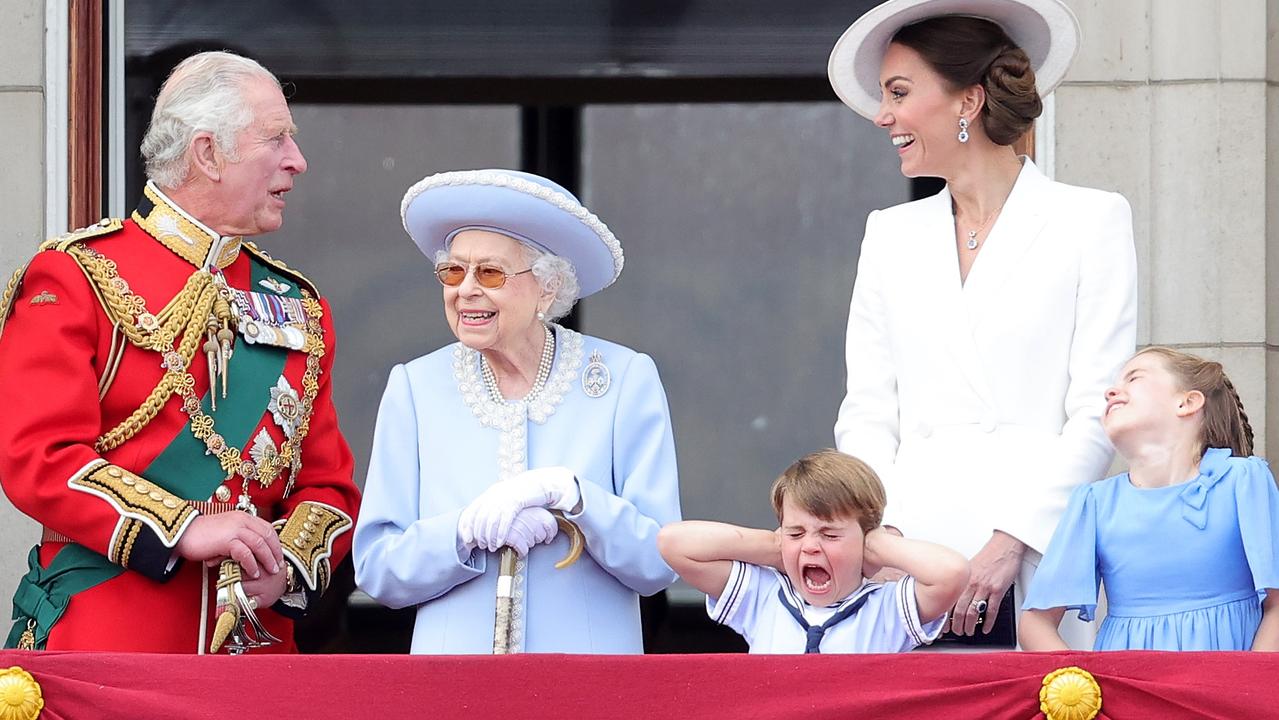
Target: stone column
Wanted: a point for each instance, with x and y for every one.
(1167, 103)
(22, 190)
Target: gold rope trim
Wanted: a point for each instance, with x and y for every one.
(184, 317)
(10, 291)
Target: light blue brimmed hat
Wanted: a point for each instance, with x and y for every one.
(517, 204)
(1046, 29)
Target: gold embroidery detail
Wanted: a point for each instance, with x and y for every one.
(138, 499)
(106, 226)
(44, 297)
(307, 539)
(186, 239)
(122, 550)
(279, 265)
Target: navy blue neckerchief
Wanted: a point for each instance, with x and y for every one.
(847, 608)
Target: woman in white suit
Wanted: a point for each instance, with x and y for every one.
(987, 320)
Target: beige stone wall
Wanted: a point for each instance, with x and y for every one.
(1171, 104)
(22, 190)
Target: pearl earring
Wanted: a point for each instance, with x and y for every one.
(963, 129)
(541, 315)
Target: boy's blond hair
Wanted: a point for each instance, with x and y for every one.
(830, 484)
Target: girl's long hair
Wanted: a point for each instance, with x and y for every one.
(1225, 424)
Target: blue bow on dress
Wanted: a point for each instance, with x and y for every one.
(1194, 496)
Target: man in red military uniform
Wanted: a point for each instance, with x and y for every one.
(166, 394)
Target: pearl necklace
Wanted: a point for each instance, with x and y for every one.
(543, 370)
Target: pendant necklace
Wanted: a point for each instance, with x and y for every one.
(972, 234)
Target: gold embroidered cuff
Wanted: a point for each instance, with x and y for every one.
(137, 499)
(307, 538)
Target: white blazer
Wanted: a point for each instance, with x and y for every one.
(979, 403)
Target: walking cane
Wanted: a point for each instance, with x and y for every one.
(502, 623)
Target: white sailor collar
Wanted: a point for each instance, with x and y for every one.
(791, 596)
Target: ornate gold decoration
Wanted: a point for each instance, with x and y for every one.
(1070, 693)
(236, 616)
(307, 539)
(279, 265)
(44, 297)
(186, 239)
(137, 499)
(20, 696)
(27, 641)
(105, 226)
(10, 291)
(185, 317)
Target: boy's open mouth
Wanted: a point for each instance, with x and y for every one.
(816, 578)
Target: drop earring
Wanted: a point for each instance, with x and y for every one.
(963, 130)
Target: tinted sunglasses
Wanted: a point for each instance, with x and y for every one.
(491, 277)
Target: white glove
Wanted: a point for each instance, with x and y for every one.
(530, 527)
(489, 517)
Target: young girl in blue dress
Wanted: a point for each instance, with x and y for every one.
(1185, 541)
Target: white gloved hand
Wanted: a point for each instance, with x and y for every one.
(466, 524)
(530, 527)
(491, 514)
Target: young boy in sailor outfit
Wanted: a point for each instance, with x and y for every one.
(802, 588)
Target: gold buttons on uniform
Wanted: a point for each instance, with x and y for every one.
(171, 503)
(115, 472)
(223, 493)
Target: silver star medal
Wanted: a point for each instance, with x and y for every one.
(285, 406)
(596, 378)
(263, 450)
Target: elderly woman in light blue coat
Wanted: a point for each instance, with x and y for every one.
(477, 442)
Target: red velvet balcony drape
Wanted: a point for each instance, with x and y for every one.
(85, 686)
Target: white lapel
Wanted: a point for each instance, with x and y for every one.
(1014, 232)
(938, 263)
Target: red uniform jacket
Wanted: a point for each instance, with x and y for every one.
(68, 376)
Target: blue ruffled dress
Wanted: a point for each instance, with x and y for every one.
(1185, 567)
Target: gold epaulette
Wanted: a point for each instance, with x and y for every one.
(280, 267)
(105, 226)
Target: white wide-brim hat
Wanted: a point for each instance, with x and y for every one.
(1046, 29)
(519, 205)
